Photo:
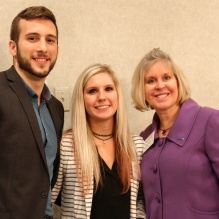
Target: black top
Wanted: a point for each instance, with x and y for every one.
(108, 202)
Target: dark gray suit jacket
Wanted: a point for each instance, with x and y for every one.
(24, 176)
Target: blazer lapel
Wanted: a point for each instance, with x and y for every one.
(89, 197)
(58, 122)
(148, 142)
(17, 85)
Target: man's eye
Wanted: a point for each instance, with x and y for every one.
(51, 40)
(32, 38)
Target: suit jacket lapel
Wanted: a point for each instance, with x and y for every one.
(57, 122)
(17, 85)
(89, 197)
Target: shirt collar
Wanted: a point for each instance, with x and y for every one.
(184, 122)
(182, 125)
(45, 95)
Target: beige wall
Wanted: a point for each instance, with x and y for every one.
(120, 32)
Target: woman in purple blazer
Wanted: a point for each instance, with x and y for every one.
(180, 166)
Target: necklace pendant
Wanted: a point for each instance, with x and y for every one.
(104, 142)
(164, 132)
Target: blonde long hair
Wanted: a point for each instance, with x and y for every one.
(83, 142)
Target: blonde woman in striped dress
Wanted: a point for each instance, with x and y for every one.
(99, 175)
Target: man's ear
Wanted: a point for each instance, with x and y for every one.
(13, 48)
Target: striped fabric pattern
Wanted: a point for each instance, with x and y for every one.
(73, 203)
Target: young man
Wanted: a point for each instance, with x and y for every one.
(31, 119)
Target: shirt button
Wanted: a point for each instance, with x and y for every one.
(154, 168)
(157, 197)
(44, 194)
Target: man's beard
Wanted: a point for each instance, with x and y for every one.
(25, 65)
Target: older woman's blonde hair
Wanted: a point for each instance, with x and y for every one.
(138, 83)
(83, 142)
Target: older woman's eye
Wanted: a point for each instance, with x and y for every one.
(92, 91)
(166, 78)
(109, 88)
(150, 81)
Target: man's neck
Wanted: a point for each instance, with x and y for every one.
(35, 83)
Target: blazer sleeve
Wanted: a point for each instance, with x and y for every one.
(56, 191)
(140, 204)
(139, 145)
(212, 140)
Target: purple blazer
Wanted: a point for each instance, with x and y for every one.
(180, 173)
